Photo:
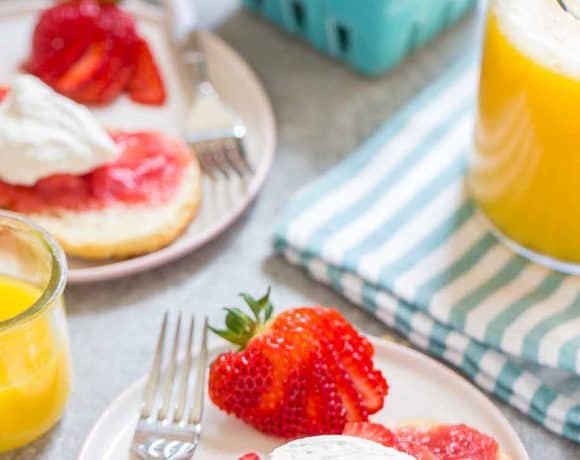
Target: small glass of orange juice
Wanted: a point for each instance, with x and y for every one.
(34, 352)
(525, 171)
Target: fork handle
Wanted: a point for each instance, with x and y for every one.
(181, 28)
(195, 60)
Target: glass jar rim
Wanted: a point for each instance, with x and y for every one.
(58, 271)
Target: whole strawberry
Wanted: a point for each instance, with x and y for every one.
(306, 371)
(90, 51)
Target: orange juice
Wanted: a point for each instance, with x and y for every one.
(525, 174)
(34, 367)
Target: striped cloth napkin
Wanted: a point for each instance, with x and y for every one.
(392, 229)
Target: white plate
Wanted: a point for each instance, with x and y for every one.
(421, 388)
(223, 201)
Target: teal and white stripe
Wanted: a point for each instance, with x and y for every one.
(393, 230)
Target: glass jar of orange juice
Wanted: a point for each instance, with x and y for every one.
(34, 352)
(525, 171)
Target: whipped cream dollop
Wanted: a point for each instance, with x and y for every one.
(43, 133)
(336, 448)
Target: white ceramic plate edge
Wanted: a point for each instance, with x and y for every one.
(515, 449)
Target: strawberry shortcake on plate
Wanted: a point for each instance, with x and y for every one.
(101, 194)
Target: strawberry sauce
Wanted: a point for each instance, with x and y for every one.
(148, 170)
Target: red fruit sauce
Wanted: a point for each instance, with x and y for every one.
(447, 442)
(251, 456)
(148, 170)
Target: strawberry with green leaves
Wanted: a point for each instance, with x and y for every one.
(305, 371)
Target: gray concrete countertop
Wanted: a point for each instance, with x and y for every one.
(323, 111)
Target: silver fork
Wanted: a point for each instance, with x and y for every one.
(169, 426)
(212, 127)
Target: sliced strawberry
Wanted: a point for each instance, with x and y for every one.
(351, 398)
(362, 388)
(324, 408)
(91, 89)
(115, 86)
(111, 78)
(388, 438)
(3, 92)
(368, 382)
(448, 442)
(329, 343)
(410, 440)
(61, 36)
(69, 39)
(53, 65)
(441, 442)
(146, 85)
(356, 356)
(371, 431)
(70, 84)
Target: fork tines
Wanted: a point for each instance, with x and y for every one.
(172, 409)
(163, 390)
(223, 151)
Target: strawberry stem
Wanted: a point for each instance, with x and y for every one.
(240, 327)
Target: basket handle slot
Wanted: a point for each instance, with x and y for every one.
(343, 38)
(299, 14)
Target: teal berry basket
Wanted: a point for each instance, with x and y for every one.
(370, 35)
